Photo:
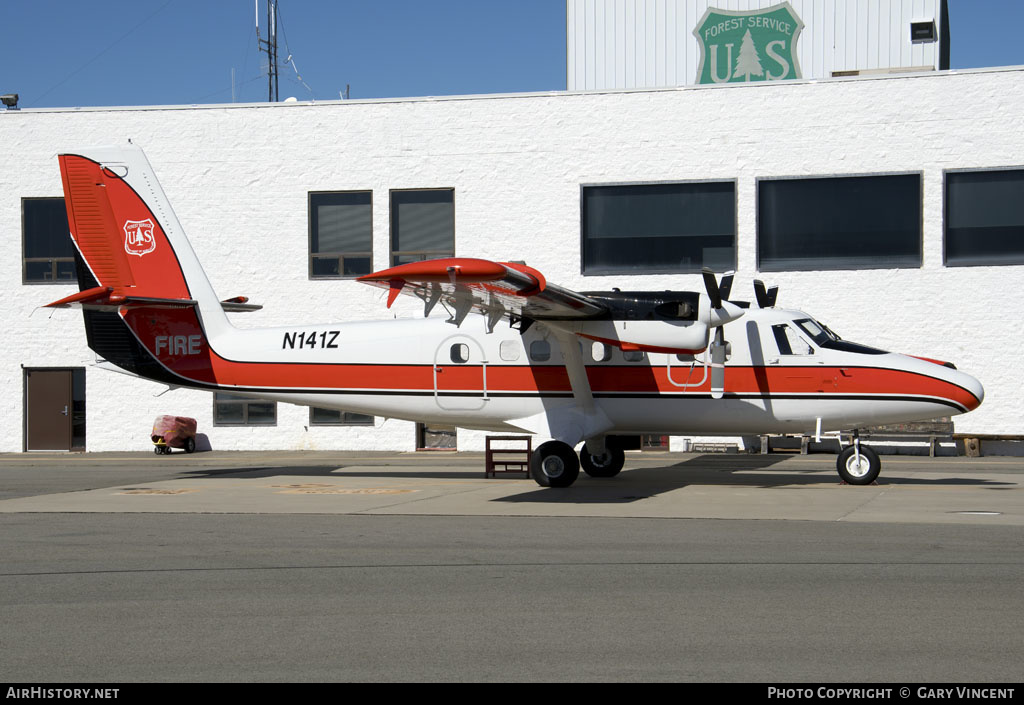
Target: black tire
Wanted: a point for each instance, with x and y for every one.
(158, 450)
(554, 464)
(863, 474)
(607, 465)
(190, 445)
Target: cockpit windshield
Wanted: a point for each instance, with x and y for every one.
(823, 337)
(819, 334)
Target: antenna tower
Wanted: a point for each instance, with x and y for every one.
(269, 45)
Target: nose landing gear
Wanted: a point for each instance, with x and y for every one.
(858, 465)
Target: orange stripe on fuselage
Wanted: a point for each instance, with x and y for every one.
(166, 334)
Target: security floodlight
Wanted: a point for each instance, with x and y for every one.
(10, 100)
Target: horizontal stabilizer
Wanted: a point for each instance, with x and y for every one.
(103, 297)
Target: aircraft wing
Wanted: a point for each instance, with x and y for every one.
(493, 288)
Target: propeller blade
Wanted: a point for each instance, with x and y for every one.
(725, 286)
(718, 351)
(760, 294)
(711, 285)
(765, 297)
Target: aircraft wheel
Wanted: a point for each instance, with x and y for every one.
(190, 445)
(554, 464)
(606, 465)
(859, 473)
(158, 450)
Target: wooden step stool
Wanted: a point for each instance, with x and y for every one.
(505, 460)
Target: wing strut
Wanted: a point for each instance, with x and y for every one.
(594, 421)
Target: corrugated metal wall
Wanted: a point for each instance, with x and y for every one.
(650, 43)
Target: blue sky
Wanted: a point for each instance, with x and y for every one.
(58, 53)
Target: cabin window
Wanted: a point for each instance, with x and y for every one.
(599, 352)
(849, 222)
(789, 342)
(340, 234)
(649, 228)
(422, 225)
(337, 417)
(48, 254)
(459, 353)
(237, 410)
(540, 351)
(633, 355)
(509, 350)
(984, 217)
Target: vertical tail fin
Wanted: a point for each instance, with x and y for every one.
(127, 233)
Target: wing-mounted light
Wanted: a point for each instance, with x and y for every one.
(239, 304)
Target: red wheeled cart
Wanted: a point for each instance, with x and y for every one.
(173, 432)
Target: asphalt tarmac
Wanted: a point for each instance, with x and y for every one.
(248, 567)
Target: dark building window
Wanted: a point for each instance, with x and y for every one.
(48, 253)
(850, 222)
(985, 217)
(650, 228)
(335, 417)
(340, 234)
(236, 410)
(422, 225)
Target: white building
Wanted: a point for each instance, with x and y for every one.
(656, 43)
(913, 182)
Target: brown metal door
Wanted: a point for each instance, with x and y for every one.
(48, 408)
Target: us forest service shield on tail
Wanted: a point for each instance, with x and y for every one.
(138, 237)
(755, 45)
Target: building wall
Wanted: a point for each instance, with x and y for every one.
(651, 43)
(238, 178)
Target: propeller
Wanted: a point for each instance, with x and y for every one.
(719, 313)
(765, 297)
(717, 291)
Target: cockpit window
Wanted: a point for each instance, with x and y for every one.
(789, 341)
(823, 337)
(817, 332)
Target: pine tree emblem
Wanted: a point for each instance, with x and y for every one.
(748, 63)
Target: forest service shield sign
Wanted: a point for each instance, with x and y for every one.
(138, 237)
(756, 45)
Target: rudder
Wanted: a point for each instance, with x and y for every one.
(127, 234)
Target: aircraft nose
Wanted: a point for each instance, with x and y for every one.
(960, 387)
(973, 386)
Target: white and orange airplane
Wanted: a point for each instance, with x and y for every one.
(587, 368)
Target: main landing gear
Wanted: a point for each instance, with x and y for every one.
(555, 464)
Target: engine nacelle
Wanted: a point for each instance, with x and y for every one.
(652, 336)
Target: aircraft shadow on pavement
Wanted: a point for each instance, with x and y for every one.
(337, 472)
(632, 485)
(722, 471)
